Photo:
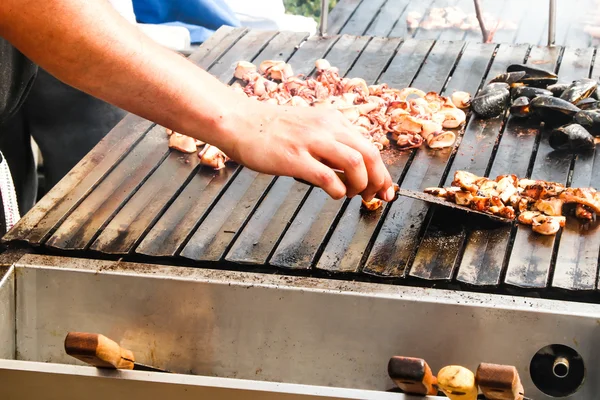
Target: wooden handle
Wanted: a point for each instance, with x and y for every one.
(412, 375)
(457, 383)
(499, 382)
(98, 350)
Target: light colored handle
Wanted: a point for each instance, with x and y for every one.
(98, 350)
(458, 383)
(499, 382)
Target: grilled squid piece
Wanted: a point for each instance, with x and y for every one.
(440, 140)
(452, 117)
(583, 212)
(243, 69)
(552, 207)
(585, 196)
(461, 99)
(182, 143)
(372, 205)
(547, 225)
(322, 65)
(213, 157)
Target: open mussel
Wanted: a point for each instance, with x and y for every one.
(558, 88)
(491, 101)
(590, 120)
(534, 76)
(552, 110)
(579, 90)
(510, 78)
(529, 92)
(520, 107)
(573, 137)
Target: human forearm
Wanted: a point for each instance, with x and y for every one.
(89, 46)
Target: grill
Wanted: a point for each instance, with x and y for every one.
(132, 198)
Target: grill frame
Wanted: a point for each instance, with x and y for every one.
(238, 219)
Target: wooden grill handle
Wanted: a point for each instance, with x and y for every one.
(499, 382)
(98, 350)
(412, 375)
(458, 383)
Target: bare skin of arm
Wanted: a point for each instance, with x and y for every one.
(88, 45)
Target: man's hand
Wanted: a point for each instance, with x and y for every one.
(306, 143)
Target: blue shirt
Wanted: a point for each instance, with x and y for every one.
(201, 17)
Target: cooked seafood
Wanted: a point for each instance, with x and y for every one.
(182, 143)
(209, 155)
(573, 137)
(410, 115)
(579, 90)
(520, 107)
(567, 108)
(532, 202)
(492, 101)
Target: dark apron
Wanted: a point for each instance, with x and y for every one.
(17, 74)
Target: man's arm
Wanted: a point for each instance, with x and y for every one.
(88, 45)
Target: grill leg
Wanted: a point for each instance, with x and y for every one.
(552, 24)
(323, 20)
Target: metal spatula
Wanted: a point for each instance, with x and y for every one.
(429, 198)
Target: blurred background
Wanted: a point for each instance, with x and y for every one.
(307, 8)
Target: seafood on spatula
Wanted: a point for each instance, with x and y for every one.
(543, 205)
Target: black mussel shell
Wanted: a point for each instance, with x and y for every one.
(494, 86)
(573, 137)
(492, 101)
(590, 120)
(588, 104)
(558, 88)
(529, 92)
(520, 107)
(595, 94)
(534, 76)
(552, 110)
(579, 90)
(509, 77)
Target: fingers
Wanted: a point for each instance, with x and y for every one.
(340, 156)
(379, 181)
(318, 174)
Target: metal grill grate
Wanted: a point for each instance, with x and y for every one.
(388, 18)
(134, 198)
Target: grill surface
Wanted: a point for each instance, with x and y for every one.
(387, 18)
(133, 198)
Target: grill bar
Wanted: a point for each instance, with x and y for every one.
(300, 243)
(396, 241)
(133, 197)
(82, 225)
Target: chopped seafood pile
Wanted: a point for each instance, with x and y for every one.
(455, 17)
(411, 116)
(532, 202)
